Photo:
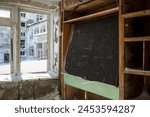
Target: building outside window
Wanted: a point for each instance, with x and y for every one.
(23, 15)
(23, 24)
(36, 31)
(39, 18)
(5, 50)
(35, 43)
(22, 43)
(23, 34)
(43, 29)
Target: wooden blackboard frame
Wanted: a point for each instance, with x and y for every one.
(71, 38)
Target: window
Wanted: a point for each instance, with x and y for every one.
(43, 29)
(23, 15)
(4, 13)
(23, 24)
(36, 31)
(22, 43)
(35, 51)
(5, 50)
(23, 34)
(22, 53)
(31, 51)
(39, 45)
(35, 55)
(39, 18)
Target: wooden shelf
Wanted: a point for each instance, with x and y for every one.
(143, 96)
(137, 39)
(137, 72)
(95, 15)
(136, 14)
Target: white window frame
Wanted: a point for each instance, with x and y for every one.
(14, 23)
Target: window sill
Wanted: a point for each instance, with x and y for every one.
(28, 76)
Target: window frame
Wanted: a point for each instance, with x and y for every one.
(14, 22)
(50, 41)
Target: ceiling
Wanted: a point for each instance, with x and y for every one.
(49, 2)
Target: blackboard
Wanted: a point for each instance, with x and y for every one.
(93, 52)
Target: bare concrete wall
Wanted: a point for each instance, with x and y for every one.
(29, 89)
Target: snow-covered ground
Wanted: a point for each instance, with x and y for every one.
(27, 66)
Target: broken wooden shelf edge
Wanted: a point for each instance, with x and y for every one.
(136, 14)
(137, 72)
(95, 15)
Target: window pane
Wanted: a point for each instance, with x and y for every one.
(4, 50)
(4, 13)
(33, 49)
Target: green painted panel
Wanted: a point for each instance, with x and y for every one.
(98, 88)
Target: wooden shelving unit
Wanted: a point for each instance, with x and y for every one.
(73, 11)
(134, 48)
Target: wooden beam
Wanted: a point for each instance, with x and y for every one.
(136, 39)
(121, 53)
(95, 15)
(136, 14)
(137, 72)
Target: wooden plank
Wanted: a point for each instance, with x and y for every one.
(137, 72)
(98, 88)
(94, 15)
(64, 43)
(147, 55)
(121, 53)
(137, 14)
(72, 93)
(92, 96)
(136, 39)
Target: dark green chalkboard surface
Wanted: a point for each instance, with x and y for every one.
(93, 53)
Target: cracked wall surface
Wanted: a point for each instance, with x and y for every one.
(29, 89)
